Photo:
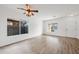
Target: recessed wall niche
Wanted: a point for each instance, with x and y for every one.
(15, 27)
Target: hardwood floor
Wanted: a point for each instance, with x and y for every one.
(43, 45)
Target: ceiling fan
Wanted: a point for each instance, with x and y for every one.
(28, 10)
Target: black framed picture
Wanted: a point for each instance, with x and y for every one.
(24, 27)
(15, 27)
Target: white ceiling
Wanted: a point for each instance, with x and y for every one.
(48, 11)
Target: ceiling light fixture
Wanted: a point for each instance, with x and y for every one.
(28, 11)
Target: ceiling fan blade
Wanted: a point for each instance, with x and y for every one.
(22, 9)
(34, 10)
(32, 13)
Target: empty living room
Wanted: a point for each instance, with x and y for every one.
(39, 28)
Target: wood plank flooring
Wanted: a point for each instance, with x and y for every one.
(43, 44)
